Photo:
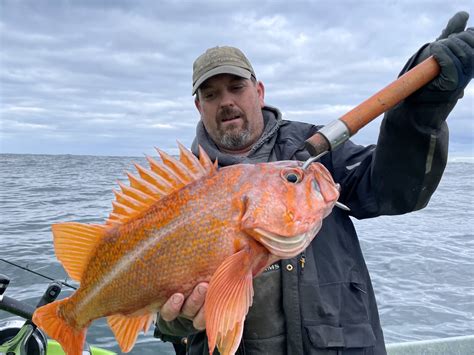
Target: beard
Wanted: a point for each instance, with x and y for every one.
(232, 137)
(235, 140)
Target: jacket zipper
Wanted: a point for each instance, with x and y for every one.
(302, 261)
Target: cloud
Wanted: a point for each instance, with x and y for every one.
(114, 78)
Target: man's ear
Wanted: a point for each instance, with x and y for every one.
(261, 93)
(198, 104)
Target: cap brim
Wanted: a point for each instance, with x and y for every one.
(225, 69)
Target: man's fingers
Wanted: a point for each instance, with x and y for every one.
(199, 322)
(466, 36)
(172, 308)
(195, 301)
(462, 50)
(456, 24)
(191, 308)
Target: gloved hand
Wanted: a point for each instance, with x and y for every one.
(454, 52)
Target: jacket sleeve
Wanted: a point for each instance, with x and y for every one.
(402, 171)
(175, 330)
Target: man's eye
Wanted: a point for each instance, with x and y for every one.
(237, 87)
(209, 96)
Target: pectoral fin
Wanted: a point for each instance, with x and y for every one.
(228, 299)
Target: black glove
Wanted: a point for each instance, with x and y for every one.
(454, 52)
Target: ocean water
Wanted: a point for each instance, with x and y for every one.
(422, 263)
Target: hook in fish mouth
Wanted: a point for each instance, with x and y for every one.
(286, 247)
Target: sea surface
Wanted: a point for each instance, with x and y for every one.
(422, 264)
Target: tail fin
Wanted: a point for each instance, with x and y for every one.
(47, 318)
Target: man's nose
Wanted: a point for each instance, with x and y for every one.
(227, 99)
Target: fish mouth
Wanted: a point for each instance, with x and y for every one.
(283, 246)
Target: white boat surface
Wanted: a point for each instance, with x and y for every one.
(461, 345)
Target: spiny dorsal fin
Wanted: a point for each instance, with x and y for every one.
(190, 160)
(206, 161)
(166, 173)
(160, 180)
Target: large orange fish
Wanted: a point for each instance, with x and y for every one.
(179, 223)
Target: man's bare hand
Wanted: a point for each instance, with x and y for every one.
(190, 308)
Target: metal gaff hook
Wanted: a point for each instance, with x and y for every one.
(313, 159)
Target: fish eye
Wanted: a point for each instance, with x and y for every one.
(293, 176)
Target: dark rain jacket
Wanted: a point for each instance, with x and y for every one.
(322, 301)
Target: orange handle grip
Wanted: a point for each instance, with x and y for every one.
(382, 101)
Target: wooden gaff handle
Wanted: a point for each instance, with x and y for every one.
(380, 102)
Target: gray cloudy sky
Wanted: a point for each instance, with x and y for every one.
(114, 77)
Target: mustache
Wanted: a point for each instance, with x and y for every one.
(227, 113)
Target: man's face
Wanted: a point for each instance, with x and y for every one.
(231, 111)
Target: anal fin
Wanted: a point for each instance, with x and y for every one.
(126, 328)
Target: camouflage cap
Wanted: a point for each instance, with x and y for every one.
(220, 60)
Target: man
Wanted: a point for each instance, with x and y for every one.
(322, 301)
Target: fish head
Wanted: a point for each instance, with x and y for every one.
(286, 204)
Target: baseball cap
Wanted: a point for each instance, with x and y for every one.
(220, 60)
